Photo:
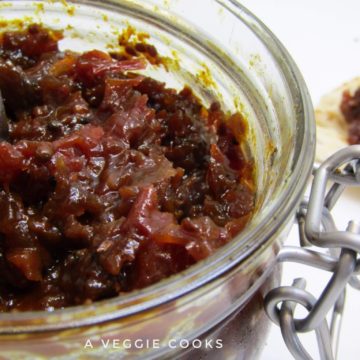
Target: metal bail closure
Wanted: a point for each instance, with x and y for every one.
(317, 230)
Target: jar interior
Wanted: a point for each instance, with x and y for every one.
(237, 71)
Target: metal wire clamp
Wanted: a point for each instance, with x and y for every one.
(318, 231)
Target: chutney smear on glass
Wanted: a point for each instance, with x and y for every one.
(109, 181)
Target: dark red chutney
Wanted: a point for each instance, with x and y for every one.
(109, 181)
(350, 107)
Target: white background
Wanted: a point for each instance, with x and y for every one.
(323, 37)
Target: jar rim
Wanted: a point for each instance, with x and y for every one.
(225, 258)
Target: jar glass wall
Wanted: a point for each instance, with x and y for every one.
(226, 54)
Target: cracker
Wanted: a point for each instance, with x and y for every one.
(331, 126)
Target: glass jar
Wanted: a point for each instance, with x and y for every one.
(220, 50)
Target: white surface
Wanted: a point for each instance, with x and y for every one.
(323, 37)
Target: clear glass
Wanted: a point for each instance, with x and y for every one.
(225, 53)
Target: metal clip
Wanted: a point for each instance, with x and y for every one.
(317, 230)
